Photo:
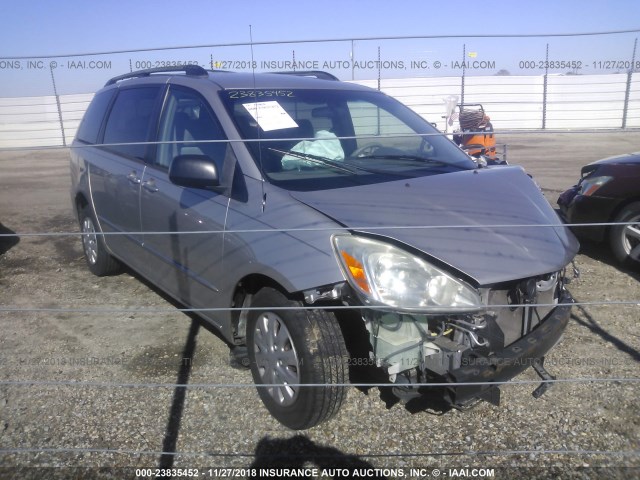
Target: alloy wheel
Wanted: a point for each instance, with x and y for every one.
(89, 240)
(631, 238)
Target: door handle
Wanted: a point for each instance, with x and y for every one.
(133, 178)
(150, 186)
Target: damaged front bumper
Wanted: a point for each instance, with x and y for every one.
(474, 352)
(504, 365)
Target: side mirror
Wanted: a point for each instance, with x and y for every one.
(196, 171)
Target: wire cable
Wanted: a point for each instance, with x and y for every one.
(327, 40)
(617, 453)
(143, 310)
(316, 229)
(93, 384)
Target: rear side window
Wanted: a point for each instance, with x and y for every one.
(131, 120)
(92, 121)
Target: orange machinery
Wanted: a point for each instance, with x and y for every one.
(476, 135)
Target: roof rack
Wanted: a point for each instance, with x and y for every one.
(311, 73)
(191, 70)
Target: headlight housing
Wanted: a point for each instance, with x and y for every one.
(386, 275)
(590, 185)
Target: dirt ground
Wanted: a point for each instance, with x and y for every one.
(123, 409)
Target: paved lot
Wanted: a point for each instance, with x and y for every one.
(116, 418)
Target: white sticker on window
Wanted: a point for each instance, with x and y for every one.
(270, 115)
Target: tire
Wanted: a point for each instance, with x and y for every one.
(99, 261)
(625, 239)
(296, 347)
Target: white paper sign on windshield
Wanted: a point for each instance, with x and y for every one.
(270, 115)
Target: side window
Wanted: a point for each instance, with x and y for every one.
(92, 121)
(186, 125)
(131, 119)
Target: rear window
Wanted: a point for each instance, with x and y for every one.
(92, 121)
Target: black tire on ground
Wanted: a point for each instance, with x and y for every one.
(625, 239)
(99, 261)
(296, 346)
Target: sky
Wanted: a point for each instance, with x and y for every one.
(42, 29)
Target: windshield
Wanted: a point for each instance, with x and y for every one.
(317, 139)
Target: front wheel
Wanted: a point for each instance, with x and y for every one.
(625, 239)
(289, 347)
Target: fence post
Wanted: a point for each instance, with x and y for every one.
(627, 92)
(379, 72)
(353, 54)
(55, 92)
(464, 56)
(544, 90)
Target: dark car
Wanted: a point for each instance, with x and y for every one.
(608, 192)
(309, 219)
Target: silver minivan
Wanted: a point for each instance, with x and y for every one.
(328, 229)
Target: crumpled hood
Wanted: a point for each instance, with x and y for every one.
(469, 205)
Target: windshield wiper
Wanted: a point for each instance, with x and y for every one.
(314, 158)
(416, 158)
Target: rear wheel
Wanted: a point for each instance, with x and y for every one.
(625, 239)
(289, 347)
(99, 261)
